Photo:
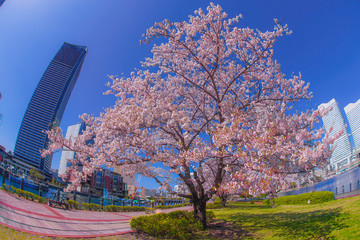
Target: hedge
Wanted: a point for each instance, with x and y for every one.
(73, 204)
(177, 224)
(173, 206)
(302, 199)
(113, 208)
(24, 194)
(214, 205)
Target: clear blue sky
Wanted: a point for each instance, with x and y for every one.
(325, 47)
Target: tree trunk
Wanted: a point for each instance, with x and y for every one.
(200, 212)
(223, 200)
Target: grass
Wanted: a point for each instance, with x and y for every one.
(339, 219)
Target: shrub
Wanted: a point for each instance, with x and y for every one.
(73, 204)
(266, 202)
(314, 197)
(113, 208)
(85, 206)
(214, 205)
(177, 224)
(252, 201)
(173, 206)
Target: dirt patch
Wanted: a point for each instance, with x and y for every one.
(226, 230)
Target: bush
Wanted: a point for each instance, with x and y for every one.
(24, 194)
(214, 205)
(113, 208)
(73, 204)
(92, 206)
(252, 201)
(266, 202)
(302, 199)
(173, 206)
(177, 224)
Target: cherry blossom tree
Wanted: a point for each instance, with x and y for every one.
(211, 106)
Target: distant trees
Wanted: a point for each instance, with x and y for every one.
(36, 175)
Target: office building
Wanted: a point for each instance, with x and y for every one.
(66, 155)
(342, 153)
(352, 111)
(128, 178)
(47, 105)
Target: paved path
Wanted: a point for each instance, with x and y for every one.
(40, 219)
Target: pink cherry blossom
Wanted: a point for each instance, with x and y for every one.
(210, 106)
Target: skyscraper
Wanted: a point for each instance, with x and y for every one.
(66, 155)
(352, 111)
(341, 156)
(1, 2)
(47, 105)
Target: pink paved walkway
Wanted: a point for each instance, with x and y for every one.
(40, 219)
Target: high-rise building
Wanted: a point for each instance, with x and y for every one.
(1, 2)
(342, 153)
(352, 111)
(47, 105)
(66, 155)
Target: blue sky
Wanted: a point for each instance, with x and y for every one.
(324, 47)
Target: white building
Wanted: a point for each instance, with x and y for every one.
(352, 111)
(66, 155)
(342, 153)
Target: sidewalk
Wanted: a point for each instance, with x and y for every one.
(40, 219)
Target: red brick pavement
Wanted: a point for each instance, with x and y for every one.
(40, 219)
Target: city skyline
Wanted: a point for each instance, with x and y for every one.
(47, 105)
(323, 47)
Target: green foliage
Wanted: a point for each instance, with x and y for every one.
(21, 193)
(252, 201)
(73, 204)
(214, 205)
(314, 197)
(177, 224)
(217, 200)
(266, 202)
(113, 208)
(34, 173)
(173, 206)
(92, 206)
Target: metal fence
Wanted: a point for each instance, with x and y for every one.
(52, 191)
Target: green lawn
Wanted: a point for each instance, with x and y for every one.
(339, 219)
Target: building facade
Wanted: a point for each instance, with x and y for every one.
(47, 105)
(342, 153)
(66, 155)
(129, 179)
(107, 180)
(352, 111)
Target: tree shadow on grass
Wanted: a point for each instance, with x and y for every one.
(308, 225)
(224, 230)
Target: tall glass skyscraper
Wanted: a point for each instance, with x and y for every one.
(47, 105)
(341, 156)
(72, 132)
(352, 111)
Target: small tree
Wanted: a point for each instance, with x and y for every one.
(36, 175)
(209, 99)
